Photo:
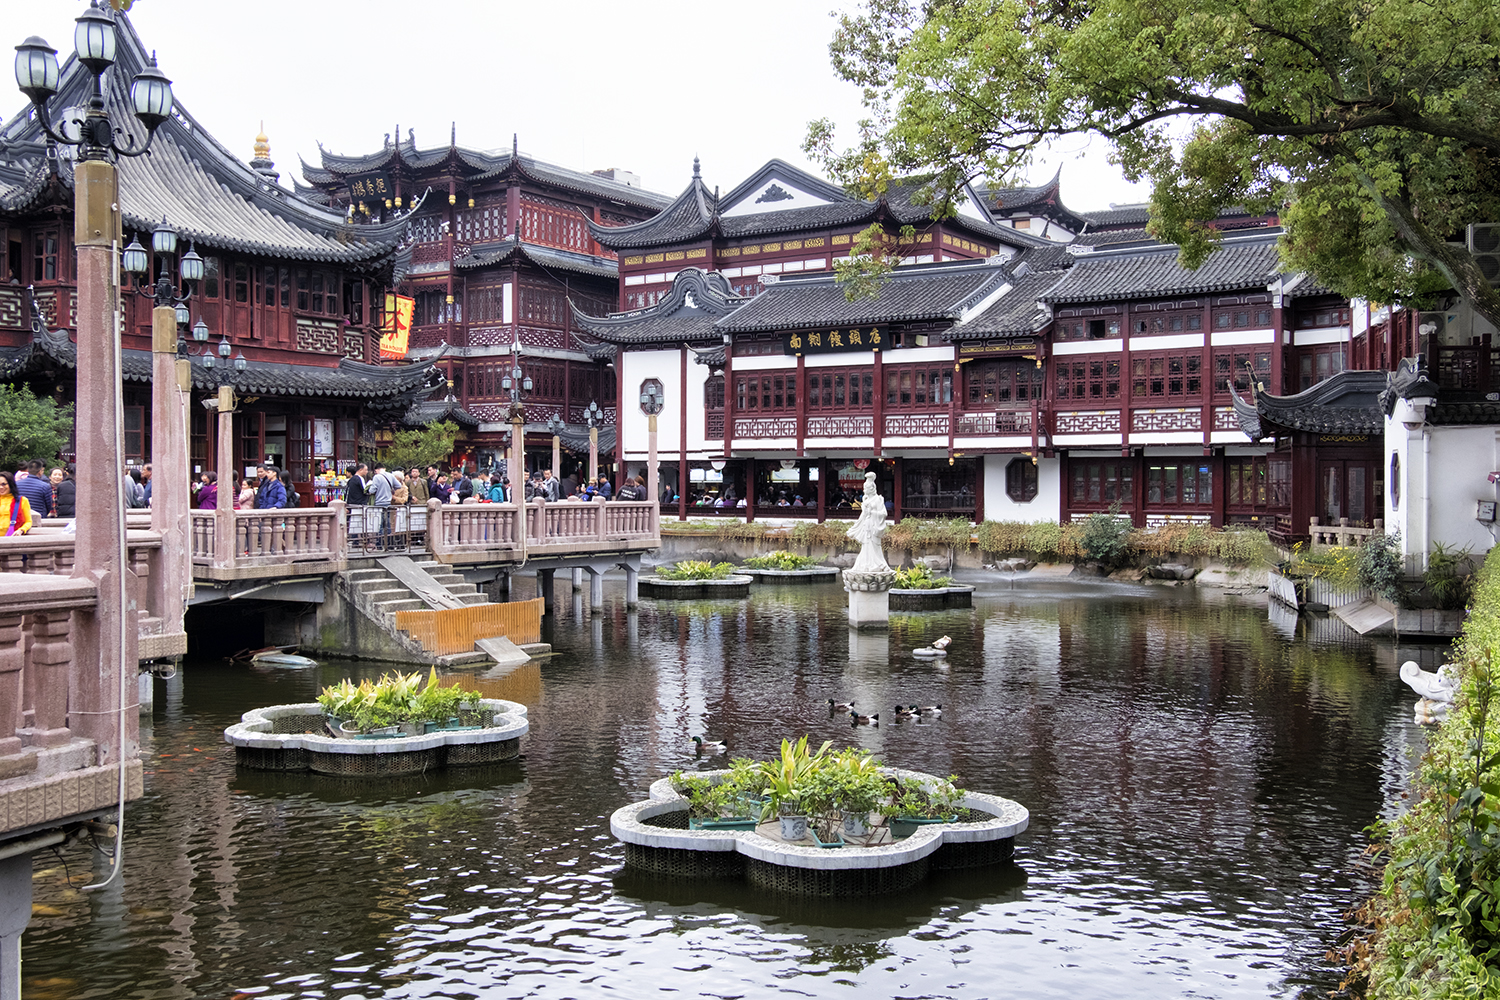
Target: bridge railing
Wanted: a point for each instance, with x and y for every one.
(302, 539)
(472, 532)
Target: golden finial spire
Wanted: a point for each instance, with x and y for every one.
(262, 144)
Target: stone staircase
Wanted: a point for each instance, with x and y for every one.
(402, 584)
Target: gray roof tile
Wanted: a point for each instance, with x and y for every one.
(1153, 272)
(686, 314)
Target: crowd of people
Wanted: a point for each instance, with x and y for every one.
(383, 487)
(31, 492)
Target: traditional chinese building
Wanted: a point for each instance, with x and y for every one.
(500, 244)
(288, 284)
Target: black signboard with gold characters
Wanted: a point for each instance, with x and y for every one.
(846, 339)
(370, 187)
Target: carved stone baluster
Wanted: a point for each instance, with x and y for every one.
(51, 652)
(12, 659)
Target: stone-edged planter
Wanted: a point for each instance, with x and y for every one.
(934, 599)
(658, 842)
(294, 738)
(813, 574)
(733, 585)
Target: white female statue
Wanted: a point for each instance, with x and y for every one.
(868, 529)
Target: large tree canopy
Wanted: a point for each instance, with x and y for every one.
(1371, 126)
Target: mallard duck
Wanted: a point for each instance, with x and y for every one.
(902, 712)
(927, 710)
(710, 746)
(864, 720)
(840, 706)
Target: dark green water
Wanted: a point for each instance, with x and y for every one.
(1197, 785)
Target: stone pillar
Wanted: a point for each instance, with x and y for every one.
(12, 659)
(869, 598)
(51, 652)
(224, 535)
(145, 683)
(596, 591)
(632, 587)
(557, 458)
(577, 578)
(171, 496)
(15, 914)
(594, 455)
(653, 483)
(107, 635)
(544, 582)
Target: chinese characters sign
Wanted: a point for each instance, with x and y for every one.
(395, 328)
(370, 187)
(864, 338)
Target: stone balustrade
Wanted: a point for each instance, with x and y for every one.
(1342, 534)
(267, 543)
(473, 533)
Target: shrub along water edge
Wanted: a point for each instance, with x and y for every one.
(1435, 923)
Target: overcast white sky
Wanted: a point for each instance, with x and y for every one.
(586, 84)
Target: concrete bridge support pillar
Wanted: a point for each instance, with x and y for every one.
(577, 578)
(596, 590)
(15, 914)
(632, 587)
(146, 682)
(544, 583)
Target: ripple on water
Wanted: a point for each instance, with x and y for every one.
(1197, 788)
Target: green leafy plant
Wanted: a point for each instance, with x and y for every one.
(421, 447)
(1380, 565)
(695, 569)
(781, 560)
(31, 427)
(939, 799)
(788, 777)
(919, 577)
(1106, 537)
(1450, 576)
(395, 699)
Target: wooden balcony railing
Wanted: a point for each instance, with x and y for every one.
(1472, 368)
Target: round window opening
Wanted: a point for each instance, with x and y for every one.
(1395, 480)
(1021, 480)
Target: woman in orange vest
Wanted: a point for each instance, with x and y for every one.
(15, 512)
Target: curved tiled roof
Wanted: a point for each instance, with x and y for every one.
(922, 292)
(431, 411)
(549, 257)
(1155, 271)
(1016, 313)
(203, 190)
(687, 313)
(1347, 403)
(689, 216)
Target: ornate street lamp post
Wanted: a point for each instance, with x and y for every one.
(518, 384)
(555, 427)
(652, 399)
(593, 416)
(107, 636)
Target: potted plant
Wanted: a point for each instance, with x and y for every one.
(722, 802)
(788, 780)
(396, 705)
(913, 804)
(857, 785)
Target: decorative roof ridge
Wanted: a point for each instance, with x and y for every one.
(694, 196)
(1409, 381)
(709, 292)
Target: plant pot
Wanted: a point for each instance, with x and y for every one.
(856, 824)
(435, 725)
(793, 828)
(905, 826)
(721, 823)
(349, 731)
(412, 728)
(817, 837)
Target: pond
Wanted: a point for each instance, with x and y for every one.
(1198, 785)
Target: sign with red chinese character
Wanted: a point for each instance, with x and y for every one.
(844, 340)
(395, 328)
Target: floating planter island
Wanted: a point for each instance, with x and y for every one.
(932, 599)
(296, 738)
(658, 842)
(692, 580)
(813, 574)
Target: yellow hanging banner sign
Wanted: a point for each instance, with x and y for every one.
(395, 329)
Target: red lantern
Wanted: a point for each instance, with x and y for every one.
(861, 464)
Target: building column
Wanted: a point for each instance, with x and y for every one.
(632, 588)
(596, 591)
(822, 489)
(544, 583)
(224, 533)
(896, 488)
(577, 578)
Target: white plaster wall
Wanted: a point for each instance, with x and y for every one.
(1444, 474)
(999, 507)
(665, 366)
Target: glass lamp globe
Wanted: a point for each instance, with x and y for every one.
(94, 39)
(37, 72)
(133, 258)
(200, 331)
(164, 239)
(151, 96)
(224, 348)
(192, 265)
(183, 316)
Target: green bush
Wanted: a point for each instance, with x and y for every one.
(1379, 564)
(911, 532)
(1106, 537)
(919, 577)
(781, 560)
(1449, 577)
(695, 569)
(1436, 920)
(830, 534)
(395, 699)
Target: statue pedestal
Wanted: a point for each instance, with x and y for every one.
(869, 598)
